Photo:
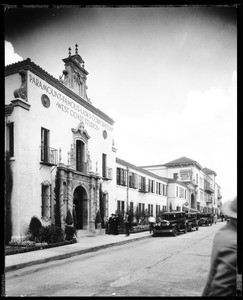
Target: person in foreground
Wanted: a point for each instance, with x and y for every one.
(221, 280)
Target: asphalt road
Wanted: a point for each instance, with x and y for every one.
(157, 266)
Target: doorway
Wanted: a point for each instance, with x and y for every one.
(80, 200)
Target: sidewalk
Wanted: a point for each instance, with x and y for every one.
(84, 244)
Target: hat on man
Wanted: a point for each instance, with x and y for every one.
(229, 208)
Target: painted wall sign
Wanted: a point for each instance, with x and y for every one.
(70, 107)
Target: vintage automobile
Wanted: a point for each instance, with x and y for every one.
(172, 222)
(192, 220)
(205, 219)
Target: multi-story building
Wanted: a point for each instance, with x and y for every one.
(60, 148)
(139, 190)
(200, 182)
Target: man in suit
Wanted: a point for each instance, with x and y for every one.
(128, 223)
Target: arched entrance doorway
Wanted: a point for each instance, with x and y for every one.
(80, 200)
(193, 203)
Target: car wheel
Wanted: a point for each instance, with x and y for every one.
(174, 232)
(154, 233)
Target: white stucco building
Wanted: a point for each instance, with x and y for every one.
(139, 190)
(200, 183)
(61, 148)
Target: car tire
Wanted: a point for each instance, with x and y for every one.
(174, 232)
(154, 234)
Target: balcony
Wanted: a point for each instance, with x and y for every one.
(143, 188)
(208, 189)
(81, 167)
(108, 173)
(48, 156)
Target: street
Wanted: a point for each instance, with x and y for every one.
(156, 266)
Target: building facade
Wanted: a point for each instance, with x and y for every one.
(60, 148)
(200, 182)
(139, 191)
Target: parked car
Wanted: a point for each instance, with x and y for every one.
(172, 222)
(205, 219)
(192, 221)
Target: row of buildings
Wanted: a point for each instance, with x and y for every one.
(60, 151)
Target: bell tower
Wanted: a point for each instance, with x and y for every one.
(74, 76)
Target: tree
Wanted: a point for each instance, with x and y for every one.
(34, 227)
(69, 218)
(57, 200)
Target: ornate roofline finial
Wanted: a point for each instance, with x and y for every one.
(69, 51)
(76, 49)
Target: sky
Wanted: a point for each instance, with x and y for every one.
(166, 75)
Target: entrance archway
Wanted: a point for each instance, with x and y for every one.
(193, 203)
(80, 200)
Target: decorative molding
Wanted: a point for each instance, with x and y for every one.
(81, 130)
(21, 103)
(37, 70)
(22, 91)
(45, 100)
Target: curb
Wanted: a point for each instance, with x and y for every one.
(71, 254)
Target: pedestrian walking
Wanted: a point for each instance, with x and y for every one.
(222, 218)
(116, 224)
(151, 223)
(221, 280)
(111, 224)
(128, 223)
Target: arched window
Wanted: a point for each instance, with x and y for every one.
(46, 200)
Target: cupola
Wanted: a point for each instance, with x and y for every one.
(74, 76)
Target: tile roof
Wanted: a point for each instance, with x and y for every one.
(139, 169)
(208, 171)
(183, 161)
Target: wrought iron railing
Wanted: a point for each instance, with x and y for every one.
(81, 167)
(108, 173)
(48, 155)
(143, 188)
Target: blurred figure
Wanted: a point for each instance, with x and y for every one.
(128, 223)
(222, 218)
(116, 224)
(151, 223)
(215, 217)
(111, 224)
(221, 281)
